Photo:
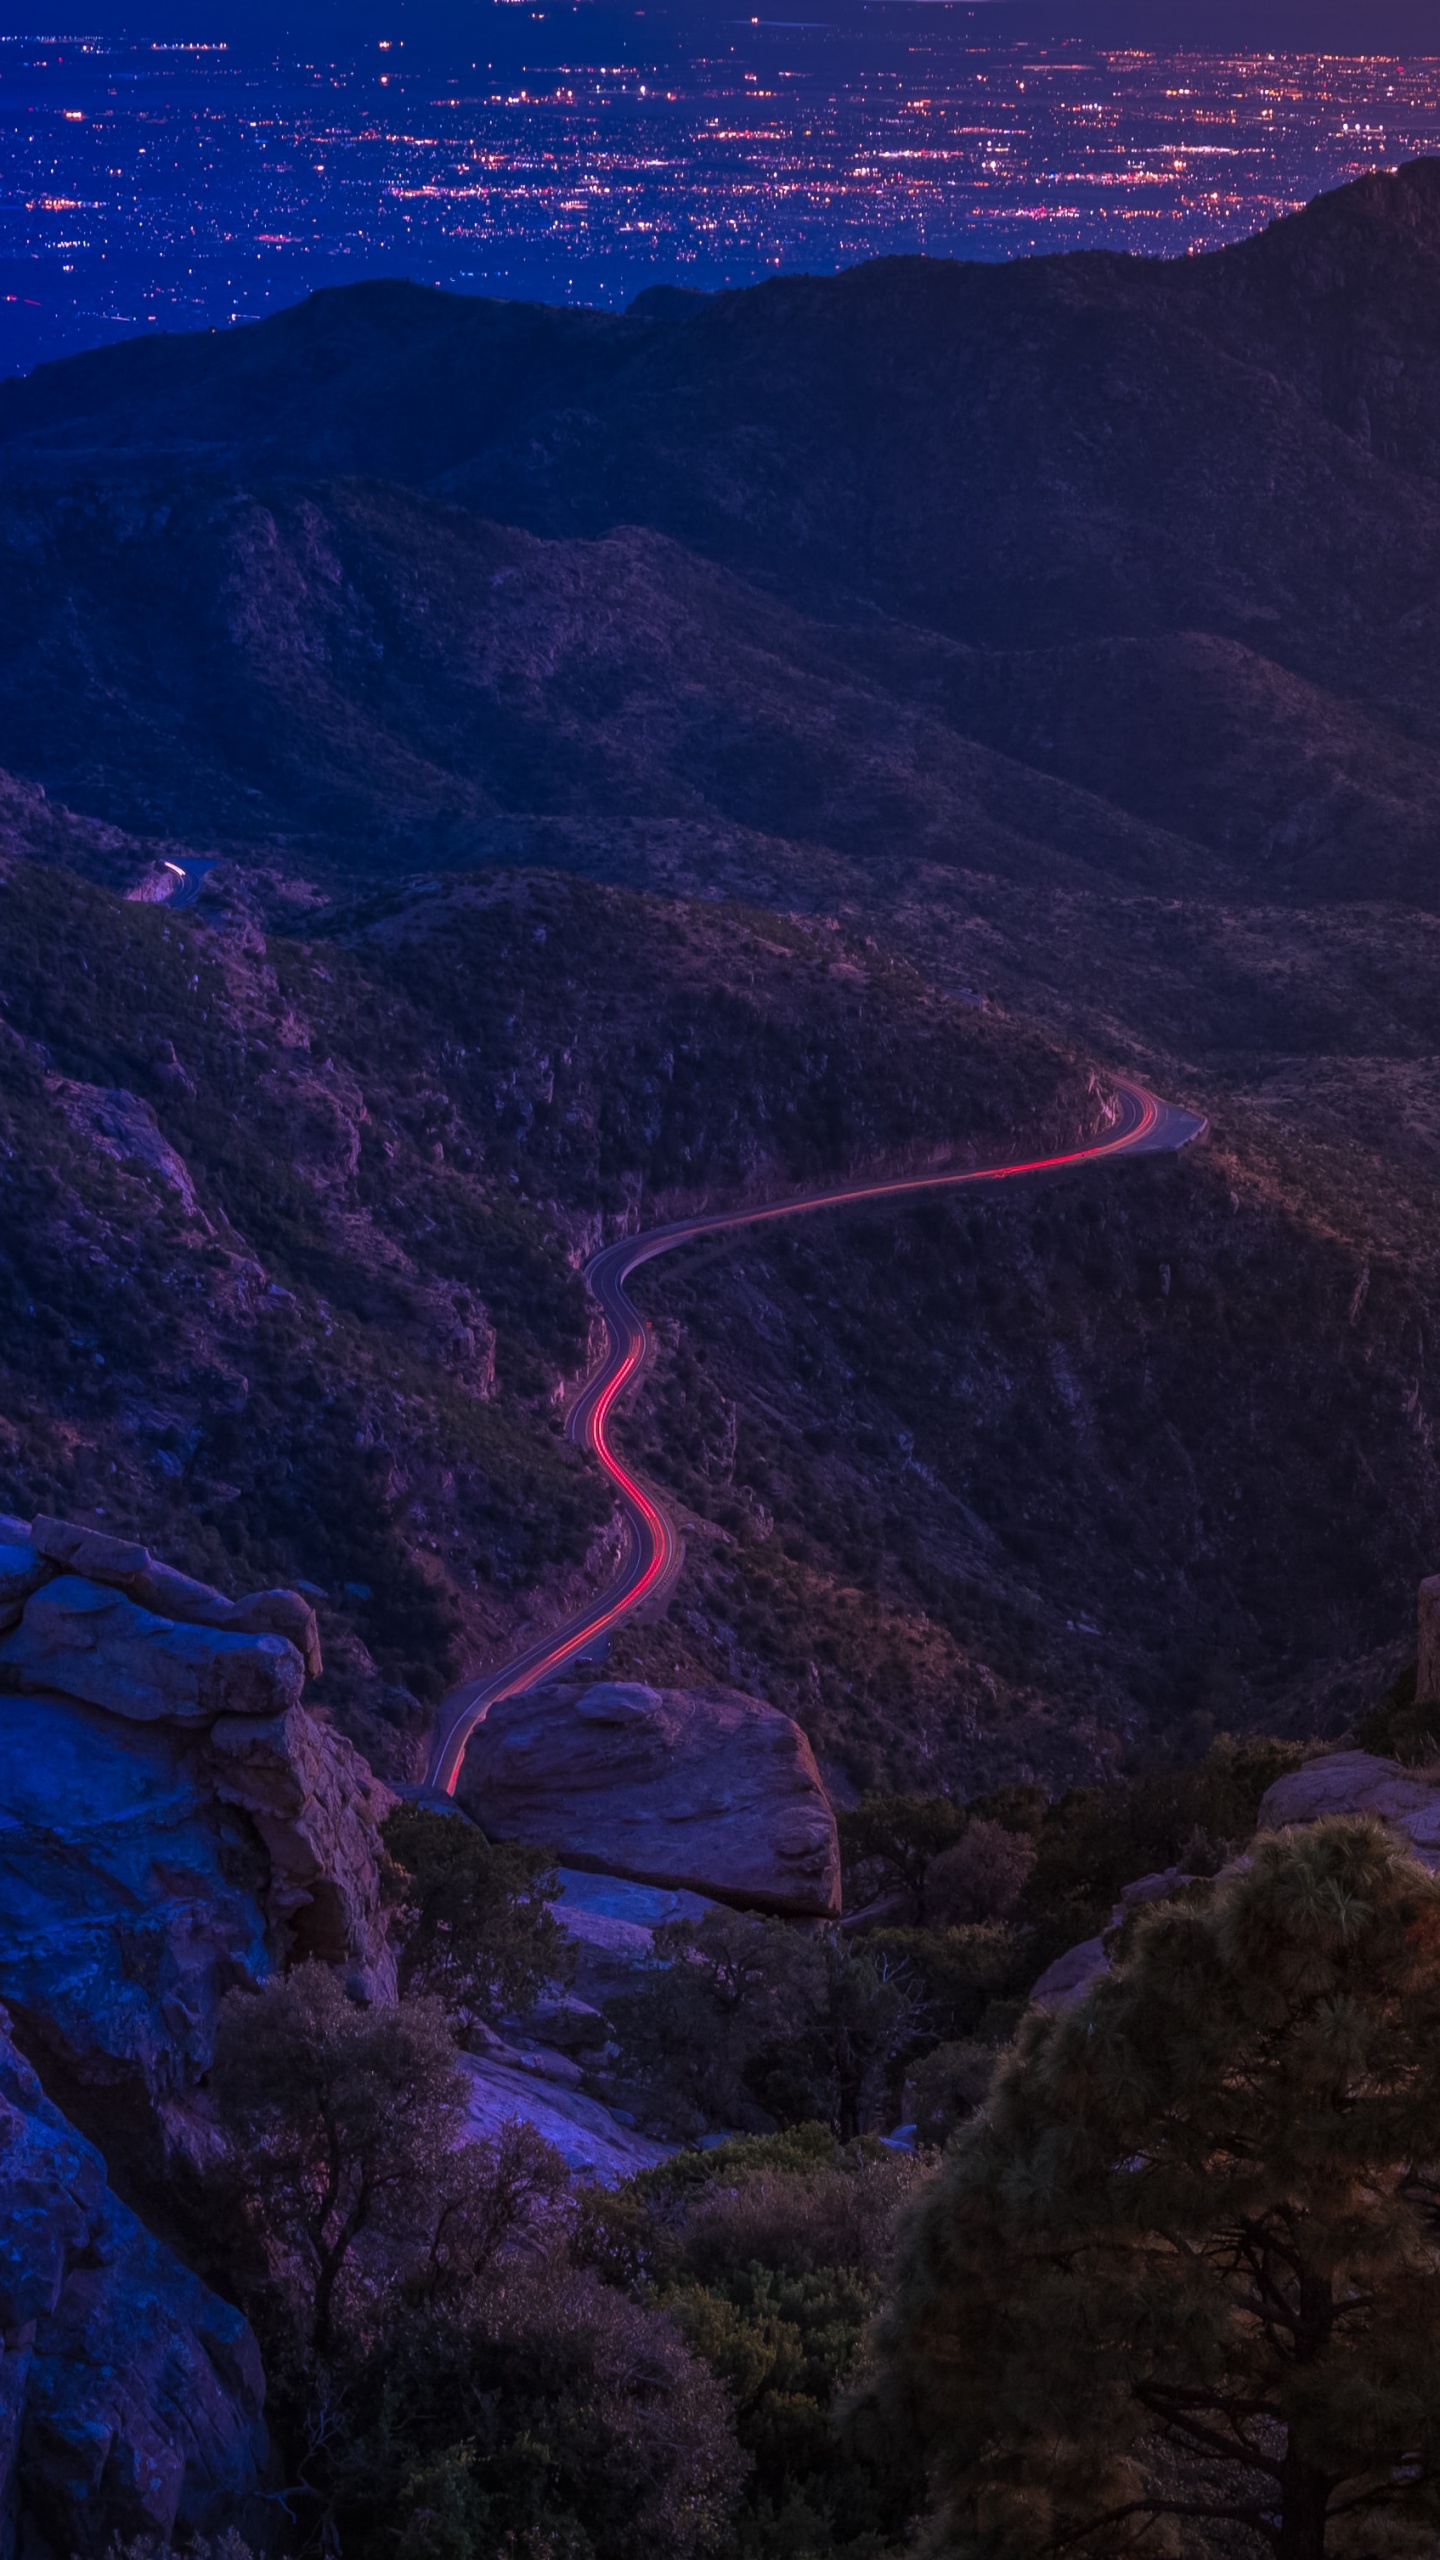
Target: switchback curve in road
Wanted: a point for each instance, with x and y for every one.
(1144, 1125)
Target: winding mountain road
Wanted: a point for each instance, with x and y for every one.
(189, 877)
(1144, 1125)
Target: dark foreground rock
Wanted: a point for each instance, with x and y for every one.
(130, 1900)
(696, 1788)
(131, 2397)
(144, 1873)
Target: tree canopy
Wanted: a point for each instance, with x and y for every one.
(1183, 2273)
(479, 1933)
(343, 2117)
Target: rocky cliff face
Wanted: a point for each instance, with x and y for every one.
(240, 1766)
(131, 2397)
(173, 1823)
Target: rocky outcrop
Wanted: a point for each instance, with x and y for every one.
(21, 1573)
(1066, 1981)
(318, 1809)
(697, 1788)
(612, 1922)
(1358, 1782)
(172, 1821)
(1339, 1782)
(130, 2395)
(173, 1824)
(596, 2148)
(125, 1566)
(130, 1900)
(120, 1125)
(87, 1641)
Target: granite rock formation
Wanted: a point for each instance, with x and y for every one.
(130, 1899)
(126, 1566)
(612, 1922)
(1338, 1782)
(173, 1824)
(318, 1809)
(87, 1641)
(130, 2395)
(695, 1788)
(143, 1875)
(597, 2149)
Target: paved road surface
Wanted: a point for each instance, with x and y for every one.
(1144, 1125)
(190, 878)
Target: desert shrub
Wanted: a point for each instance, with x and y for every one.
(770, 2254)
(887, 1843)
(781, 2272)
(733, 1989)
(981, 1878)
(799, 2222)
(546, 2411)
(1094, 1841)
(967, 1980)
(347, 2187)
(479, 1932)
(755, 2021)
(339, 2116)
(842, 2066)
(1053, 1870)
(946, 2086)
(486, 2198)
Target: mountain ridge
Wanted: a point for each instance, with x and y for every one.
(787, 614)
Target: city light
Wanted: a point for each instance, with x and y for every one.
(208, 193)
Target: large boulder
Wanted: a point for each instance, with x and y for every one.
(1358, 1782)
(698, 1788)
(88, 1640)
(1064, 1984)
(131, 2396)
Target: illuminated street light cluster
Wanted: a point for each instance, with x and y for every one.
(169, 187)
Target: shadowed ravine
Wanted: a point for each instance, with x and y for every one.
(1145, 1125)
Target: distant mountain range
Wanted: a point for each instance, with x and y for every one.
(813, 558)
(1069, 633)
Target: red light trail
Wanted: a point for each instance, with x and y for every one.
(1146, 1125)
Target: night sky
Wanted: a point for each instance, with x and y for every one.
(453, 27)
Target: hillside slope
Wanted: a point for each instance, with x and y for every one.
(292, 1230)
(668, 757)
(1017, 454)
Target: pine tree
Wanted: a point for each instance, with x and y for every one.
(1178, 2288)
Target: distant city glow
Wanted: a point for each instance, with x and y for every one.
(173, 187)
